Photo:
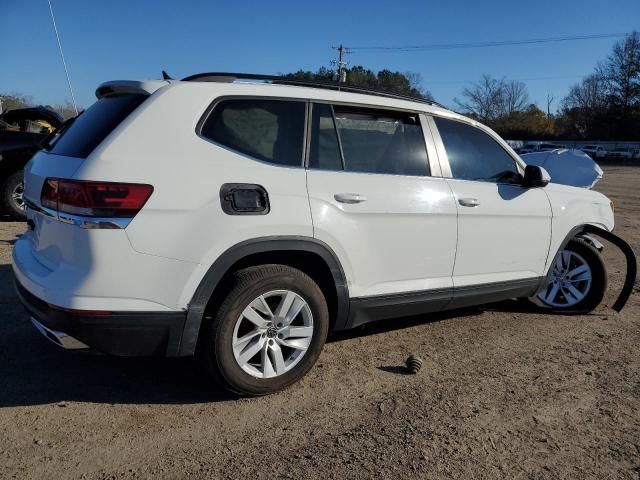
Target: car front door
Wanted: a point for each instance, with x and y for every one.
(504, 229)
(374, 202)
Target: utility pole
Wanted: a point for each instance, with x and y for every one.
(341, 74)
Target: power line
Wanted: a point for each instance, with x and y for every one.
(560, 77)
(451, 46)
(64, 64)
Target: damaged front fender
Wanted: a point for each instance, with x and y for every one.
(630, 256)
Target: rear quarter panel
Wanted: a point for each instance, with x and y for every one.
(183, 218)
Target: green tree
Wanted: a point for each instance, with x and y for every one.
(409, 83)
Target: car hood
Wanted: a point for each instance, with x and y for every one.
(567, 167)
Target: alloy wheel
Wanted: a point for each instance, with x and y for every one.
(569, 281)
(272, 333)
(17, 196)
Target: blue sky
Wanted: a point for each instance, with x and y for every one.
(136, 39)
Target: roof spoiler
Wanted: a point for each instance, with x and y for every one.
(115, 87)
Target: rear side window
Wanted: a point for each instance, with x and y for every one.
(324, 152)
(269, 130)
(92, 126)
(381, 141)
(474, 155)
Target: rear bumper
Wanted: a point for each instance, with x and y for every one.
(114, 333)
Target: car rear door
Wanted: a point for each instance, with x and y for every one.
(375, 202)
(504, 229)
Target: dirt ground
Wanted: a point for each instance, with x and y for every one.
(505, 392)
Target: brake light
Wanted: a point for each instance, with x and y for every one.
(94, 199)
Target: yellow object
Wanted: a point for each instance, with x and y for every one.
(46, 126)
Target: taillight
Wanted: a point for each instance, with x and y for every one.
(94, 199)
(49, 197)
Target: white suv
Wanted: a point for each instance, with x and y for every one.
(243, 221)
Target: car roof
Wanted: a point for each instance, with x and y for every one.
(246, 84)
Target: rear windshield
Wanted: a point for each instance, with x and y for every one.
(94, 124)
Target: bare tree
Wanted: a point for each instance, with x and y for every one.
(415, 82)
(12, 101)
(550, 99)
(621, 71)
(65, 109)
(515, 97)
(590, 94)
(483, 99)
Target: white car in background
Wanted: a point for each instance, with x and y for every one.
(621, 153)
(242, 221)
(597, 152)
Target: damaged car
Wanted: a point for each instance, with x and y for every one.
(241, 218)
(21, 132)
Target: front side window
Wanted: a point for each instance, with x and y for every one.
(474, 155)
(372, 141)
(269, 130)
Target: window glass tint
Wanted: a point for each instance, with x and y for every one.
(474, 155)
(269, 130)
(324, 151)
(94, 124)
(381, 141)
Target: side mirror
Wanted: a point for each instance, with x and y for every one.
(535, 177)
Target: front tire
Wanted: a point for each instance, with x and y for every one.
(577, 280)
(267, 333)
(11, 196)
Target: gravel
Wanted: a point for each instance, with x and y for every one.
(505, 391)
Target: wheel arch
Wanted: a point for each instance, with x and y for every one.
(310, 255)
(623, 246)
(15, 160)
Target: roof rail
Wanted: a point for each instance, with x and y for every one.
(228, 77)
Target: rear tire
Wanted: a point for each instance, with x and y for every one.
(577, 280)
(254, 317)
(11, 196)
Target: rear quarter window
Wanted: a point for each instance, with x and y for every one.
(93, 125)
(269, 130)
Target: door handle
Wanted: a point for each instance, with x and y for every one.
(349, 198)
(469, 202)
